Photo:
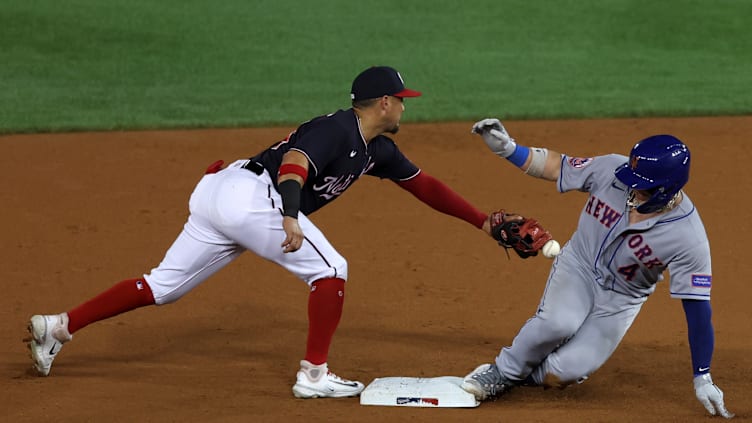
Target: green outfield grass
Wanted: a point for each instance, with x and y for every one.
(91, 64)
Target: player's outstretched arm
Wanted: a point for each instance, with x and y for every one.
(701, 343)
(440, 197)
(539, 162)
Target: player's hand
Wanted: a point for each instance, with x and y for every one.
(496, 137)
(711, 396)
(293, 234)
(495, 218)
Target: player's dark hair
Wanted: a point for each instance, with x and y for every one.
(363, 104)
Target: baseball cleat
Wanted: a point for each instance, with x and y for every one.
(486, 382)
(48, 334)
(316, 381)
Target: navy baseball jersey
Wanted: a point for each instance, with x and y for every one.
(338, 155)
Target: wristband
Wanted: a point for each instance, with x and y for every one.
(519, 157)
(290, 192)
(294, 169)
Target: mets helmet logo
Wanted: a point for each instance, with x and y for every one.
(580, 162)
(633, 162)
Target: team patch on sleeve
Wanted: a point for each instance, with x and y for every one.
(702, 281)
(579, 162)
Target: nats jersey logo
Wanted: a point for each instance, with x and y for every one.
(702, 281)
(580, 162)
(334, 186)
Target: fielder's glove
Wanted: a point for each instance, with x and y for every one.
(525, 236)
(496, 137)
(711, 396)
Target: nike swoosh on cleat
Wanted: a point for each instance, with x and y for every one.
(350, 384)
(52, 350)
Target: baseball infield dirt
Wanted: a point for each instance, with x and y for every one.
(428, 295)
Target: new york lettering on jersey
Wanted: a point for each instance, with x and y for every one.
(600, 210)
(625, 262)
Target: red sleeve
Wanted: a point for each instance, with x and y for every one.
(436, 194)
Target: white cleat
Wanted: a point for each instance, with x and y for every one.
(316, 381)
(48, 334)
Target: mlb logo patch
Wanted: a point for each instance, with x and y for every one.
(702, 281)
(580, 162)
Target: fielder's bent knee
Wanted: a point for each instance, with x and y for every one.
(341, 269)
(335, 268)
(163, 293)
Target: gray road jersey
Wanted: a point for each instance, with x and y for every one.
(631, 259)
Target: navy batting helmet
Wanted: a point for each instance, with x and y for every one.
(659, 165)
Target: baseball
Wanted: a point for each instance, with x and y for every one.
(551, 249)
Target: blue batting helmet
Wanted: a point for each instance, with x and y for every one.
(659, 165)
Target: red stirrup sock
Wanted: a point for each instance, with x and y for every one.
(123, 296)
(324, 311)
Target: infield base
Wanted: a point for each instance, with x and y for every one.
(443, 391)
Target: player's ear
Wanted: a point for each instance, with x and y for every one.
(384, 102)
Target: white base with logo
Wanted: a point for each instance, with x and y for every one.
(443, 391)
